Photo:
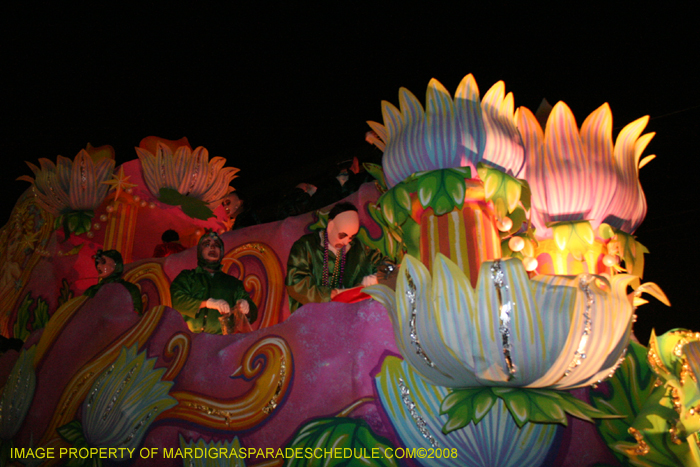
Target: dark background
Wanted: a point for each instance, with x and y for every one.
(283, 91)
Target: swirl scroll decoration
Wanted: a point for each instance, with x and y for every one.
(175, 353)
(269, 363)
(266, 286)
(153, 272)
(23, 243)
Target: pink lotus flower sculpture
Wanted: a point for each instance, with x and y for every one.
(578, 174)
(70, 185)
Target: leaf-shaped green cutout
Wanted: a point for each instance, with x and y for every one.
(546, 407)
(403, 198)
(483, 402)
(428, 186)
(512, 190)
(455, 187)
(388, 207)
(71, 432)
(442, 204)
(518, 404)
(460, 417)
(456, 398)
(377, 172)
(525, 194)
(575, 236)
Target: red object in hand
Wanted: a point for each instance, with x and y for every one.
(351, 296)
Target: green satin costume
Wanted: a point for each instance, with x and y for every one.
(305, 269)
(191, 287)
(116, 278)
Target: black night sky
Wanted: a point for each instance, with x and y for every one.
(281, 90)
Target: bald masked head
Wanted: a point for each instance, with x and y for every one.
(343, 225)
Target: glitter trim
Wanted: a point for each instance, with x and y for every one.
(272, 405)
(580, 354)
(673, 431)
(119, 390)
(411, 406)
(642, 448)
(504, 317)
(140, 424)
(411, 295)
(615, 367)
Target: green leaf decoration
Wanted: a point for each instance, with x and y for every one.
(321, 221)
(632, 391)
(41, 314)
(71, 432)
(389, 241)
(20, 330)
(464, 406)
(29, 320)
(193, 207)
(75, 222)
(461, 407)
(443, 190)
(65, 293)
(575, 236)
(525, 194)
(377, 172)
(606, 231)
(632, 253)
(392, 204)
(343, 433)
(505, 191)
(519, 217)
(428, 186)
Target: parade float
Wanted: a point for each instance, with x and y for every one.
(507, 340)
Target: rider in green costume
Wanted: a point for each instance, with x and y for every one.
(205, 293)
(110, 266)
(323, 264)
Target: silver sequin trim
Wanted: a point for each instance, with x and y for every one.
(411, 295)
(615, 367)
(504, 310)
(411, 406)
(580, 353)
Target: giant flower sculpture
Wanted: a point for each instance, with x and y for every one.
(580, 175)
(190, 173)
(449, 133)
(495, 359)
(558, 332)
(71, 188)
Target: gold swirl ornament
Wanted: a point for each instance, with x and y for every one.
(152, 271)
(271, 382)
(269, 311)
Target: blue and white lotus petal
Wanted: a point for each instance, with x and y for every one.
(495, 440)
(559, 332)
(449, 133)
(124, 401)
